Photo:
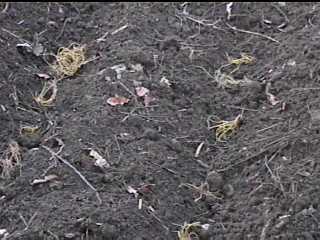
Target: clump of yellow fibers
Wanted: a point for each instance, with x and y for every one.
(69, 60)
(224, 129)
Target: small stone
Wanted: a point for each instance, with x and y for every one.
(215, 181)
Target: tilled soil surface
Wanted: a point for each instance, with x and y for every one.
(166, 165)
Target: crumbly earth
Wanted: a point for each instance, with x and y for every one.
(260, 183)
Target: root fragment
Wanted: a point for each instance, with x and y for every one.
(10, 160)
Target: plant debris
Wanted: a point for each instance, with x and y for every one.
(10, 159)
(119, 69)
(203, 190)
(189, 231)
(244, 59)
(30, 130)
(46, 179)
(4, 234)
(43, 75)
(165, 82)
(168, 70)
(224, 129)
(133, 191)
(70, 60)
(198, 150)
(117, 100)
(100, 161)
(271, 98)
(48, 94)
(136, 67)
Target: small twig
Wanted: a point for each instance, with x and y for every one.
(202, 164)
(303, 89)
(75, 170)
(281, 12)
(27, 224)
(61, 143)
(52, 234)
(129, 91)
(129, 114)
(24, 221)
(242, 108)
(276, 179)
(198, 149)
(149, 118)
(244, 160)
(119, 29)
(118, 146)
(269, 170)
(203, 190)
(206, 71)
(159, 220)
(16, 36)
(6, 7)
(267, 128)
(264, 229)
(203, 21)
(254, 33)
(63, 27)
(32, 218)
(103, 37)
(195, 19)
(165, 168)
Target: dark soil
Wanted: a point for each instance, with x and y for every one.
(262, 183)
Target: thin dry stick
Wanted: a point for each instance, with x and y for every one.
(128, 90)
(274, 177)
(119, 29)
(304, 89)
(14, 35)
(246, 159)
(103, 38)
(63, 27)
(160, 221)
(267, 128)
(253, 33)
(196, 19)
(27, 224)
(75, 170)
(264, 229)
(24, 221)
(6, 7)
